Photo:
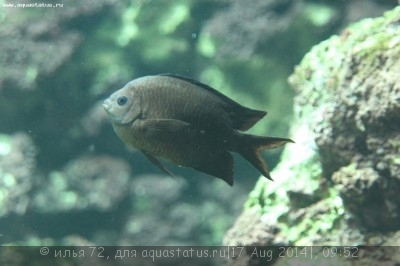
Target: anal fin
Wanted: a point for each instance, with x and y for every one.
(219, 165)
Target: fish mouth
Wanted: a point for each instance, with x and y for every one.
(107, 104)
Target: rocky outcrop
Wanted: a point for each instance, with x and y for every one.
(338, 184)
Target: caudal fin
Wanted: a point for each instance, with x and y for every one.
(251, 149)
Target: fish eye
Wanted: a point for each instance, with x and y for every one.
(122, 100)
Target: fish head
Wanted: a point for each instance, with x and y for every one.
(123, 106)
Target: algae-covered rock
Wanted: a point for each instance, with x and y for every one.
(17, 165)
(351, 82)
(242, 28)
(88, 182)
(339, 183)
(184, 222)
(35, 44)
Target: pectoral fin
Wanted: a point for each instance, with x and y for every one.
(164, 125)
(157, 163)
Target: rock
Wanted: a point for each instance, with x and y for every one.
(164, 211)
(86, 183)
(351, 83)
(242, 28)
(34, 46)
(369, 197)
(254, 232)
(17, 172)
(338, 184)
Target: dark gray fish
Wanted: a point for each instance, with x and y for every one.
(188, 123)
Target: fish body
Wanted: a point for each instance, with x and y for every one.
(187, 123)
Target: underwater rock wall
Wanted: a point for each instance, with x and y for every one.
(242, 27)
(38, 44)
(339, 183)
(352, 83)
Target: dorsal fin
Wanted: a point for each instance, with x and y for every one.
(203, 86)
(242, 117)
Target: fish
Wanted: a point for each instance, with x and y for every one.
(189, 124)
